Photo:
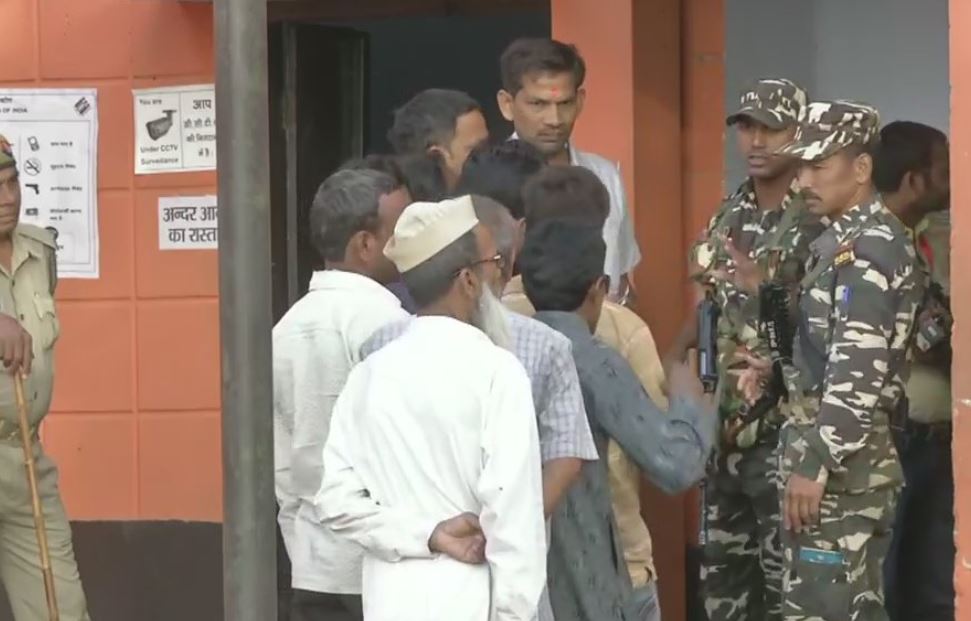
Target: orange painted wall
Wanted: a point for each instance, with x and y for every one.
(135, 421)
(703, 130)
(654, 103)
(960, 67)
(608, 116)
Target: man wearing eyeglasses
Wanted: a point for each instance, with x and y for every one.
(440, 421)
(564, 434)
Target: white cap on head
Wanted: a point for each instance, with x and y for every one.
(425, 229)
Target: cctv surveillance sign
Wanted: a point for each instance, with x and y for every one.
(175, 129)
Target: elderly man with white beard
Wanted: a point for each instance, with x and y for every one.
(564, 433)
(565, 439)
(440, 422)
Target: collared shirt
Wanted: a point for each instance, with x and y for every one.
(563, 428)
(621, 329)
(437, 423)
(623, 254)
(27, 295)
(586, 581)
(315, 346)
(857, 307)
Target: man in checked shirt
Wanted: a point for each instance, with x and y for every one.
(564, 434)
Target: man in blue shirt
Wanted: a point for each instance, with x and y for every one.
(562, 264)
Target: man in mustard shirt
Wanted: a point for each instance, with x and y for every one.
(28, 331)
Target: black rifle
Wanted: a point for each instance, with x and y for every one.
(777, 330)
(774, 321)
(708, 312)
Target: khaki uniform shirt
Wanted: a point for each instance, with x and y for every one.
(929, 386)
(27, 294)
(622, 330)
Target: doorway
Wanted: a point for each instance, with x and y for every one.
(334, 83)
(317, 98)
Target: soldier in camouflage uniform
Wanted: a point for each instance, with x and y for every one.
(767, 221)
(839, 470)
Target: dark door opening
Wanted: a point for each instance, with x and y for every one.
(317, 98)
(333, 89)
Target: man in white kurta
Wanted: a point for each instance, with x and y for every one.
(438, 423)
(315, 345)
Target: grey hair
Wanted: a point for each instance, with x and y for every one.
(495, 217)
(346, 203)
(432, 279)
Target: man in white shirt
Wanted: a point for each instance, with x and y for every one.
(542, 95)
(315, 345)
(440, 422)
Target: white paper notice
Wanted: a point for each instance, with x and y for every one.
(188, 223)
(54, 135)
(175, 129)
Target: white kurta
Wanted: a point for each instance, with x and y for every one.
(437, 423)
(315, 346)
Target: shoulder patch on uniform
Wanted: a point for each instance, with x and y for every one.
(38, 234)
(844, 255)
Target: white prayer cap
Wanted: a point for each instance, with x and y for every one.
(425, 229)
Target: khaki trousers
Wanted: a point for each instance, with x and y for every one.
(20, 567)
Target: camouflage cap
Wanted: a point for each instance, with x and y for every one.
(6, 153)
(775, 102)
(830, 126)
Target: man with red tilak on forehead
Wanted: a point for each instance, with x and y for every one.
(542, 95)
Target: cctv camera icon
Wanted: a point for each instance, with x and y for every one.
(160, 127)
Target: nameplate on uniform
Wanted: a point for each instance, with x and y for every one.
(844, 256)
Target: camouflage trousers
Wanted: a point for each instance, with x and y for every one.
(741, 570)
(834, 570)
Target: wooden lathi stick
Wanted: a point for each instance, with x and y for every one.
(39, 527)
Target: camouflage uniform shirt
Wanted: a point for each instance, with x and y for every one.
(857, 311)
(762, 233)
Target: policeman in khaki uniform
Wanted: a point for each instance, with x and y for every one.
(766, 221)
(912, 174)
(846, 377)
(28, 331)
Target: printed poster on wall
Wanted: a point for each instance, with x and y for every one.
(175, 129)
(54, 136)
(188, 223)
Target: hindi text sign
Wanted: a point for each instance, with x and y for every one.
(188, 223)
